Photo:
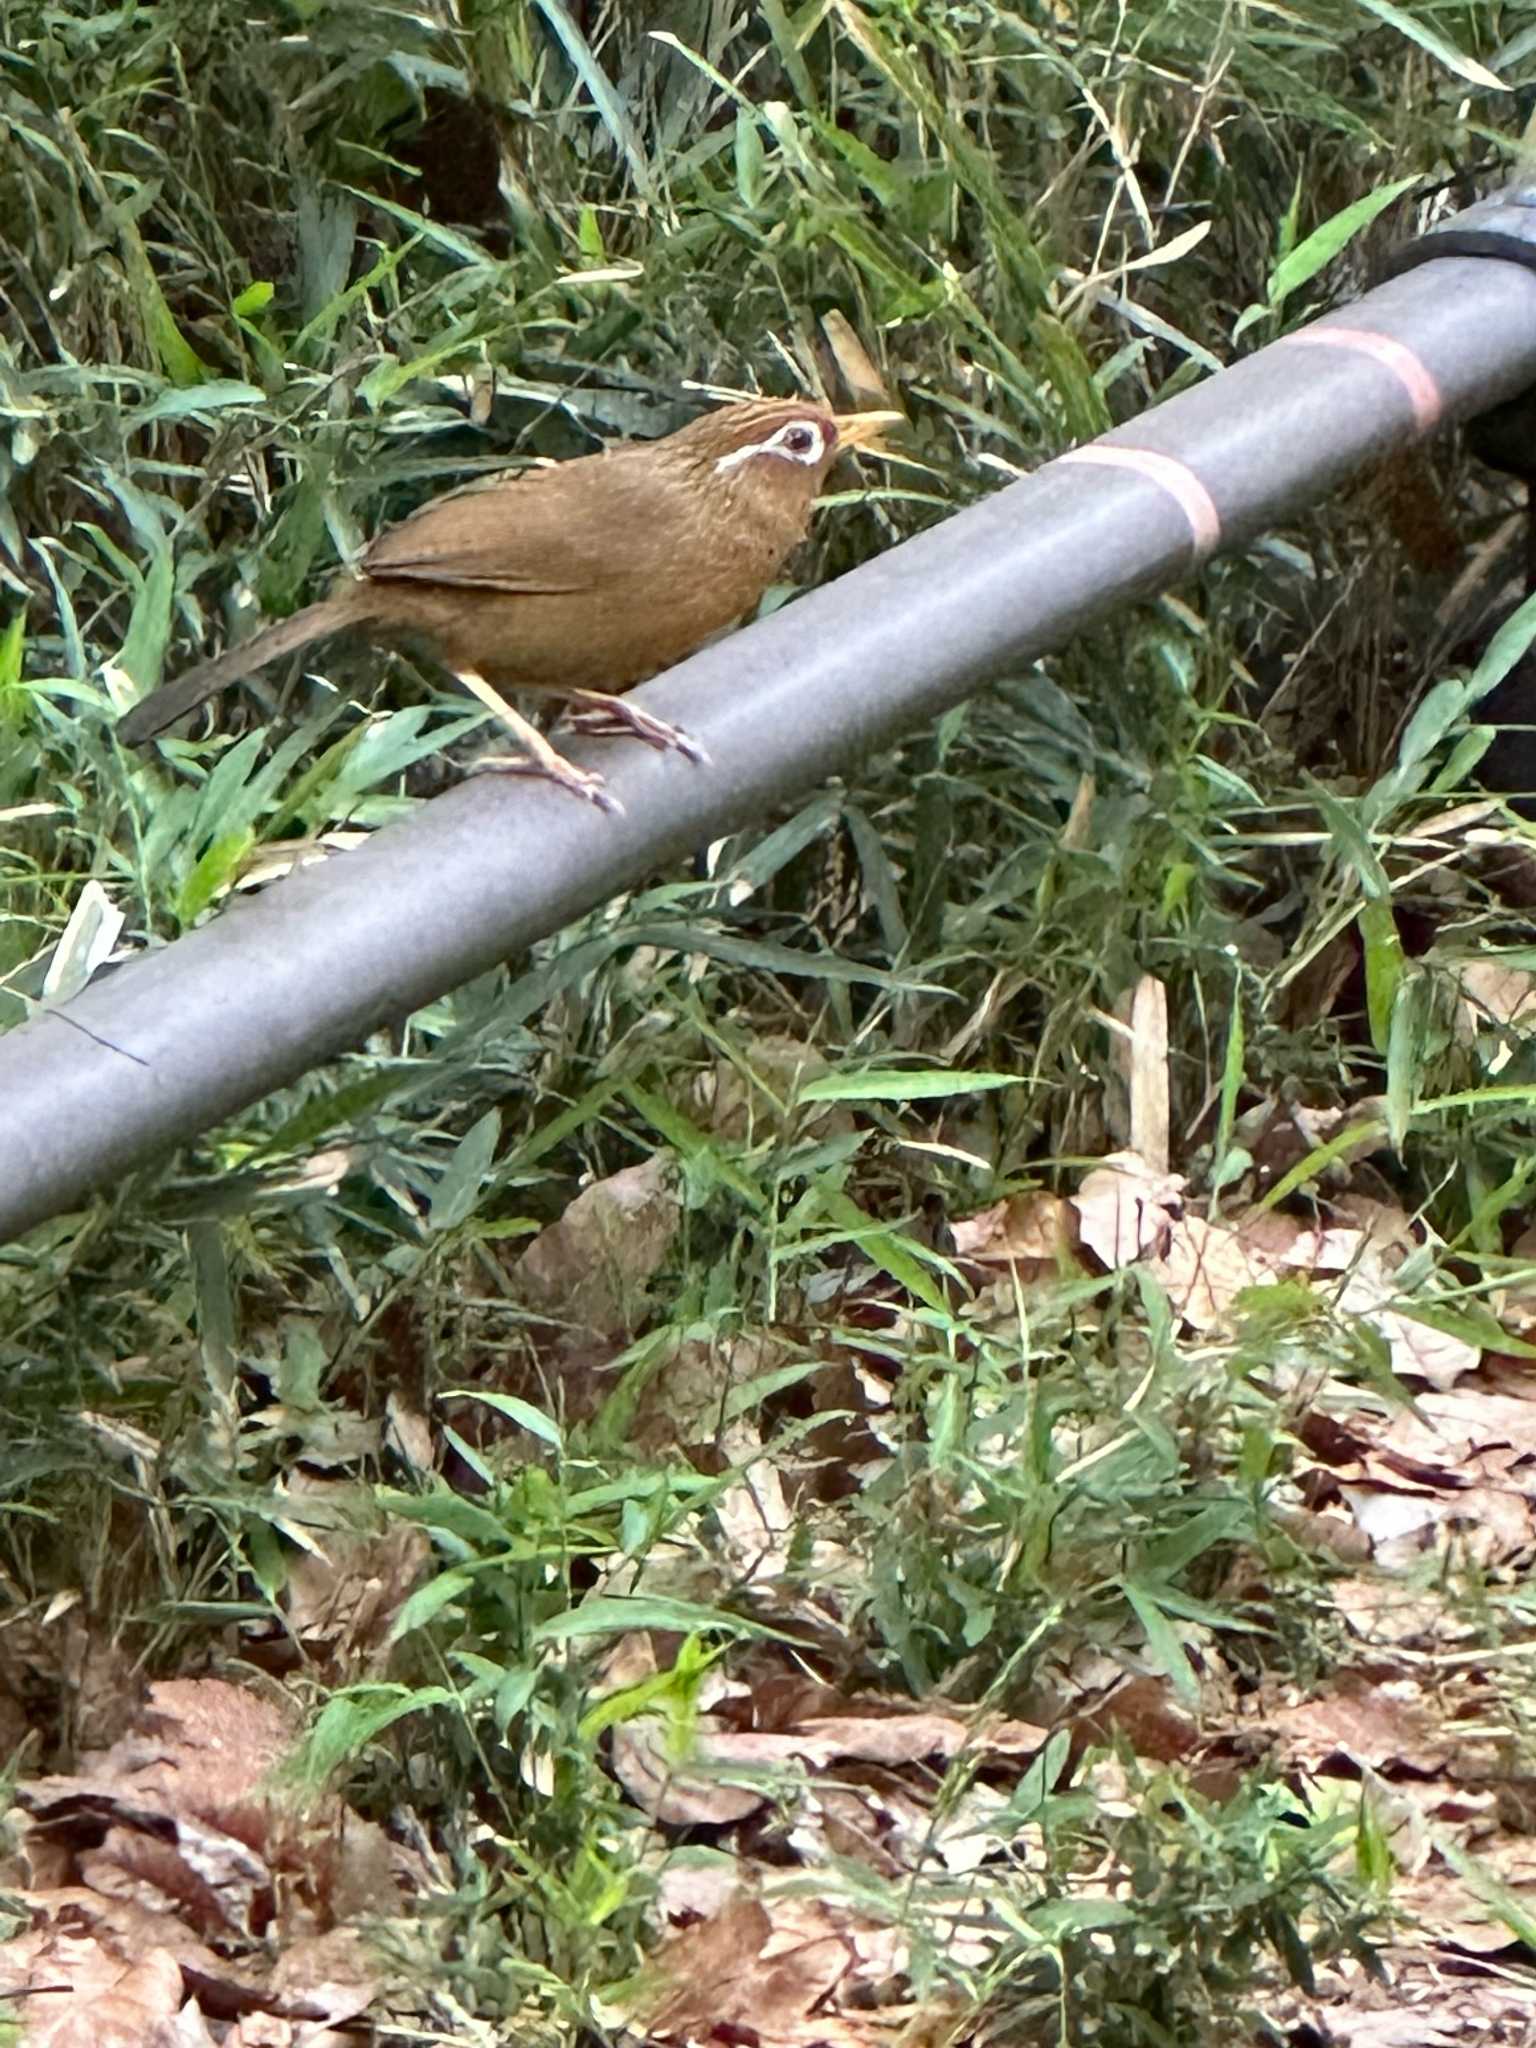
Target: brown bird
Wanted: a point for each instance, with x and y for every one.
(576, 581)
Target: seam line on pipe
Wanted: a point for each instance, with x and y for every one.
(1176, 478)
(1422, 391)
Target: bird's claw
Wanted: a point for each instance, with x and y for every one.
(604, 721)
(582, 782)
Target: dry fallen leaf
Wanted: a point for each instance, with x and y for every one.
(1279, 1135)
(689, 1789)
(1035, 1232)
(784, 1971)
(1483, 1525)
(685, 1399)
(329, 1977)
(1450, 1909)
(344, 1591)
(1384, 1613)
(1204, 1267)
(753, 1096)
(590, 1270)
(726, 1774)
(1410, 2001)
(1370, 1723)
(1418, 1350)
(909, 1738)
(198, 1749)
(754, 1517)
(178, 1844)
(1497, 1009)
(79, 1994)
(1124, 1210)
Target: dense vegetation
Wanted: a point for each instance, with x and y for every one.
(719, 1321)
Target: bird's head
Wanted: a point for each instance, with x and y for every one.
(780, 447)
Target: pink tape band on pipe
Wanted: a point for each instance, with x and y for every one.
(1181, 484)
(1422, 390)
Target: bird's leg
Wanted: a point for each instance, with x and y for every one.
(538, 757)
(606, 714)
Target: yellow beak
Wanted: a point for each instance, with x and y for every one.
(865, 429)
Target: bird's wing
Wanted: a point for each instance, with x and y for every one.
(511, 533)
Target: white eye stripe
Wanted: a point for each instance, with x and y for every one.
(802, 441)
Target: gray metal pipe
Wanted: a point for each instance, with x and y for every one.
(158, 1050)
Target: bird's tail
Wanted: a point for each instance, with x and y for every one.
(173, 700)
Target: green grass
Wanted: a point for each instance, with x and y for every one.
(274, 274)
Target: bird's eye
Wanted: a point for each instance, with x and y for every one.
(802, 441)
